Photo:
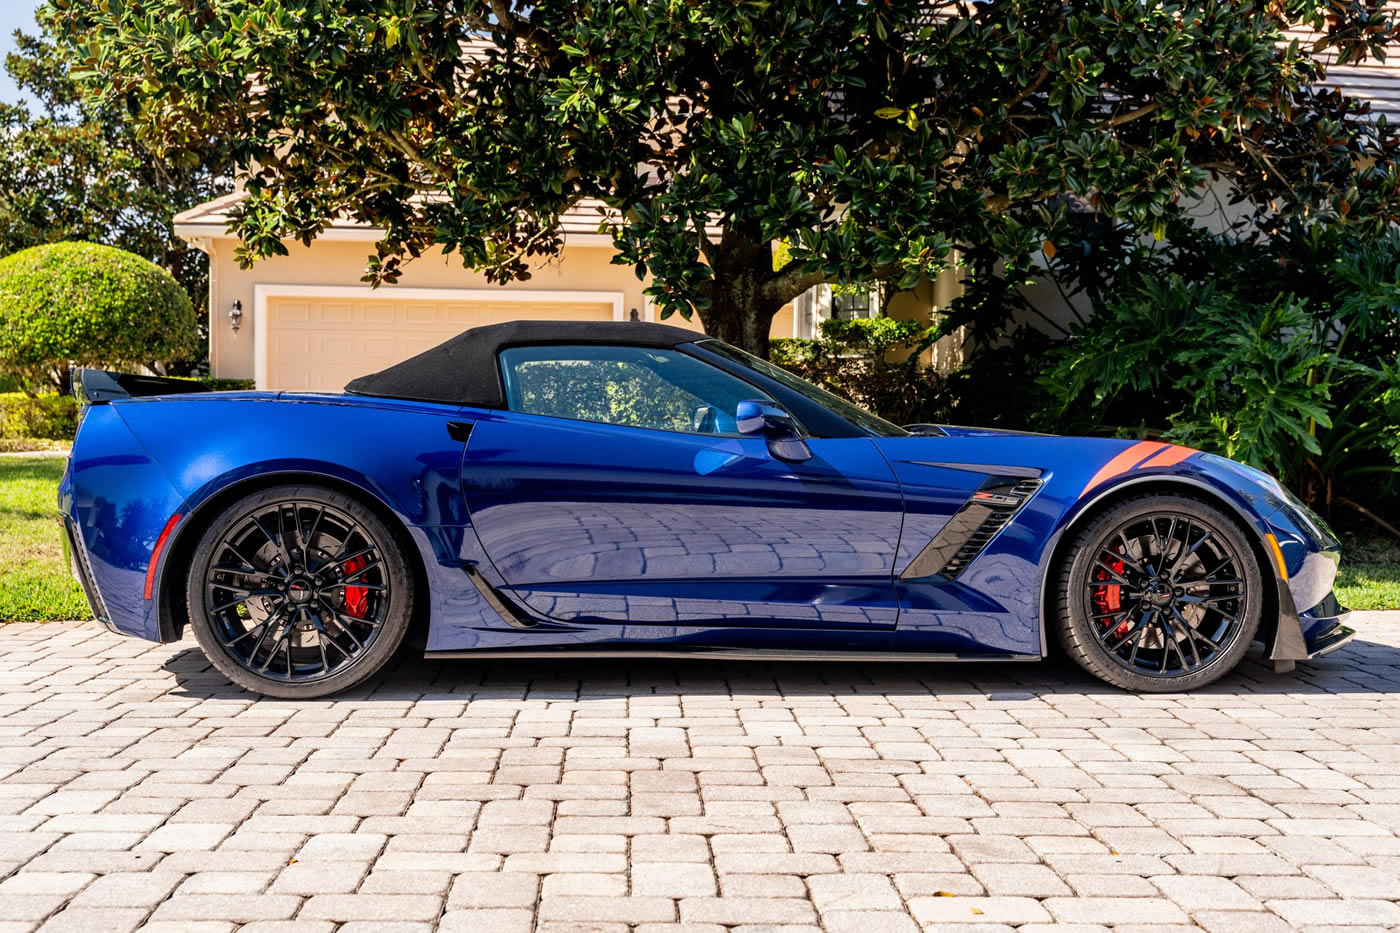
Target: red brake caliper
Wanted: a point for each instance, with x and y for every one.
(356, 597)
(1108, 598)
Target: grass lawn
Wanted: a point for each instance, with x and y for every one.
(1369, 586)
(34, 581)
(35, 585)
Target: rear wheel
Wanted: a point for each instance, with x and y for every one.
(299, 591)
(1159, 593)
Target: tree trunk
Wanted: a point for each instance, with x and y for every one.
(62, 379)
(741, 311)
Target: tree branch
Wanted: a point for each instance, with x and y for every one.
(1031, 88)
(790, 281)
(505, 19)
(1369, 514)
(1268, 163)
(786, 285)
(1130, 116)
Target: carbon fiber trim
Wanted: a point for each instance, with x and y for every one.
(496, 601)
(971, 529)
(82, 572)
(724, 654)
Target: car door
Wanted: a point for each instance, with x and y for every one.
(617, 496)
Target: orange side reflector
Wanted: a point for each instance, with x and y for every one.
(1278, 556)
(155, 553)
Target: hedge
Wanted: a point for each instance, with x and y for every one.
(52, 417)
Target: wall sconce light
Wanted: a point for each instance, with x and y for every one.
(235, 316)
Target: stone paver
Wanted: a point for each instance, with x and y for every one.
(139, 790)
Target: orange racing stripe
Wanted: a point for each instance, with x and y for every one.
(1170, 457)
(1125, 461)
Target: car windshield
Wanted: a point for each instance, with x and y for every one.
(852, 413)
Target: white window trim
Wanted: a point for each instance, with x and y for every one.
(262, 291)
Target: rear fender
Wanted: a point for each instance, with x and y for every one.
(400, 454)
(118, 501)
(398, 457)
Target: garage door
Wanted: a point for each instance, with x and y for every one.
(319, 344)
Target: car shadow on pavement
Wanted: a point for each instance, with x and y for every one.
(1358, 668)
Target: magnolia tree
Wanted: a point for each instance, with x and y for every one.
(73, 169)
(874, 139)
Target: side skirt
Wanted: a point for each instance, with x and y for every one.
(736, 654)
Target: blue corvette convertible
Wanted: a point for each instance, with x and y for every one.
(550, 489)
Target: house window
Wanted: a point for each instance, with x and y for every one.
(849, 306)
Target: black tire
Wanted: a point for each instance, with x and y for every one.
(1158, 593)
(310, 570)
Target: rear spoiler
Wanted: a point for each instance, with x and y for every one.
(98, 386)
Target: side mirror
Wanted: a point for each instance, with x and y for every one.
(771, 421)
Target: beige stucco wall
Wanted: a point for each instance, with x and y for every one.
(920, 303)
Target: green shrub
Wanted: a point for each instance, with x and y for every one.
(875, 336)
(1279, 354)
(225, 385)
(850, 362)
(793, 351)
(999, 386)
(90, 305)
(53, 417)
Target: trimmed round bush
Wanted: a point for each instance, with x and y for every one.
(90, 305)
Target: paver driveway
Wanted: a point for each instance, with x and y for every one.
(138, 788)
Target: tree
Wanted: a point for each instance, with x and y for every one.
(874, 138)
(73, 169)
(91, 305)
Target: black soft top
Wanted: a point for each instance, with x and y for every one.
(463, 370)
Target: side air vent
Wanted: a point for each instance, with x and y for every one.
(971, 529)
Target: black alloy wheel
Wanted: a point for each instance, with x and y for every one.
(1160, 593)
(298, 592)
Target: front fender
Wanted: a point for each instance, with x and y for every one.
(1266, 514)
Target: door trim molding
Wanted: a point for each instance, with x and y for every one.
(262, 291)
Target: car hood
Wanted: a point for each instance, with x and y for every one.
(963, 430)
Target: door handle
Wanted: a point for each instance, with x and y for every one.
(459, 430)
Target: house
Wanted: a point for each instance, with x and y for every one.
(306, 321)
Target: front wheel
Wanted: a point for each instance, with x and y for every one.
(298, 592)
(1159, 593)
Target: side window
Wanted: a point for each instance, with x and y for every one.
(639, 387)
